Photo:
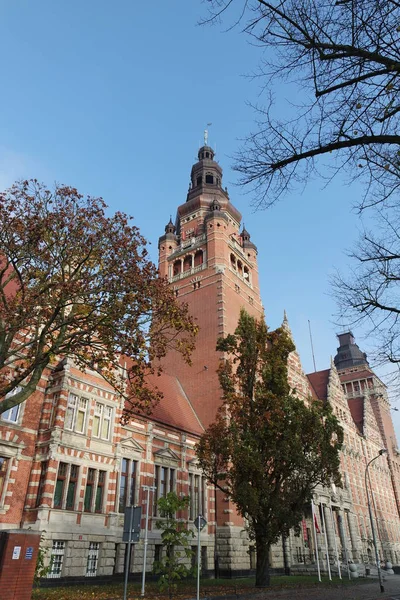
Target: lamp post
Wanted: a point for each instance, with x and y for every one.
(367, 479)
(148, 489)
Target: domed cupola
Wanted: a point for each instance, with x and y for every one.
(169, 234)
(215, 211)
(245, 237)
(206, 174)
(170, 227)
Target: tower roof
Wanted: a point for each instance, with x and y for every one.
(348, 353)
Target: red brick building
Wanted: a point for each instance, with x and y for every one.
(68, 468)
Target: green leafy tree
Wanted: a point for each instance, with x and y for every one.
(41, 569)
(175, 537)
(77, 282)
(267, 449)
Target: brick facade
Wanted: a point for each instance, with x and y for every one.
(69, 467)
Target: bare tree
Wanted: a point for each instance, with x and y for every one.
(370, 294)
(344, 57)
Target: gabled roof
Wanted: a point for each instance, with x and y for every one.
(319, 383)
(175, 408)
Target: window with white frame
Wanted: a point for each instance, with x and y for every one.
(75, 417)
(56, 559)
(3, 473)
(102, 420)
(92, 559)
(11, 415)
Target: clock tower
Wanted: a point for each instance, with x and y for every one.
(211, 263)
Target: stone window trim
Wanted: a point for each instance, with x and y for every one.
(13, 415)
(98, 483)
(76, 414)
(197, 490)
(56, 559)
(103, 417)
(92, 559)
(131, 489)
(11, 452)
(164, 482)
(66, 478)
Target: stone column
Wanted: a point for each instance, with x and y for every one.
(355, 546)
(329, 531)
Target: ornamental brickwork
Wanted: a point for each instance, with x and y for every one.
(68, 468)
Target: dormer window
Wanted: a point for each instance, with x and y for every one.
(209, 178)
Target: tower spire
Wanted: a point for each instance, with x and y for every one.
(206, 134)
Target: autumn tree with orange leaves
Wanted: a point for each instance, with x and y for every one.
(267, 449)
(75, 282)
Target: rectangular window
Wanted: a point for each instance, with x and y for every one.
(3, 473)
(197, 492)
(157, 552)
(42, 479)
(89, 490)
(56, 559)
(157, 489)
(60, 485)
(102, 421)
(66, 485)
(127, 484)
(92, 560)
(71, 489)
(98, 505)
(11, 415)
(164, 483)
(75, 417)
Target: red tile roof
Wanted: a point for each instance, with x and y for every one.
(175, 408)
(356, 375)
(319, 382)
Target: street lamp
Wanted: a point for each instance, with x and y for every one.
(378, 563)
(148, 489)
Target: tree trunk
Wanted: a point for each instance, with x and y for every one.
(262, 567)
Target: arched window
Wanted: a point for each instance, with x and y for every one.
(246, 274)
(239, 267)
(233, 261)
(198, 258)
(177, 267)
(187, 263)
(209, 178)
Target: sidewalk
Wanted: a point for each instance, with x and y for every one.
(360, 590)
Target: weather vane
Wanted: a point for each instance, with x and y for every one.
(206, 134)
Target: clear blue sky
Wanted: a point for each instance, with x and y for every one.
(113, 97)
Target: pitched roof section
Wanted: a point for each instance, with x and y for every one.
(354, 375)
(356, 406)
(319, 383)
(175, 408)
